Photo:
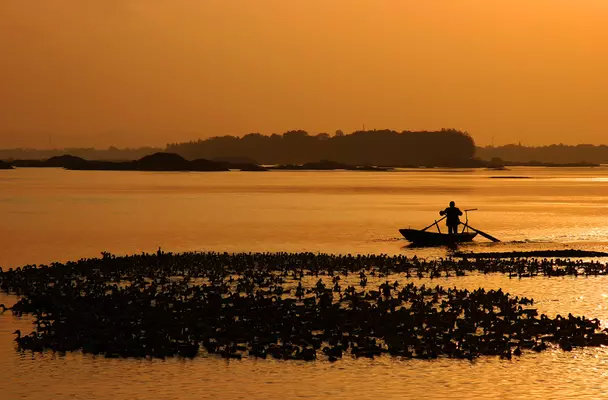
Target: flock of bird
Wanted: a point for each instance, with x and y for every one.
(287, 306)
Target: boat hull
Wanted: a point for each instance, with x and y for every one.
(424, 238)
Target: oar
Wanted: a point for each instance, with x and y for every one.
(492, 238)
(434, 223)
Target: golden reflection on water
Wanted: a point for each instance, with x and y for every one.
(51, 215)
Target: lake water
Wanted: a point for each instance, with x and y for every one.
(55, 215)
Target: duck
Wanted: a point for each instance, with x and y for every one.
(237, 304)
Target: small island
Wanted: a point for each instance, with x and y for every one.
(327, 165)
(4, 165)
(163, 161)
(154, 162)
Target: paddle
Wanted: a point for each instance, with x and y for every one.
(434, 223)
(487, 236)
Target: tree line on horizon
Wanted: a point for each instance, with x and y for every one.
(555, 153)
(381, 147)
(447, 147)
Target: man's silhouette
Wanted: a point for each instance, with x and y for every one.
(452, 220)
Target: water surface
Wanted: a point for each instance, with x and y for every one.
(52, 214)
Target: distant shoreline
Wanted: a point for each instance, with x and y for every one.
(162, 161)
(172, 162)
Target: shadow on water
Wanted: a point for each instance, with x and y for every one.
(450, 246)
(454, 248)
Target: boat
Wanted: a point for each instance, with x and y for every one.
(424, 238)
(421, 237)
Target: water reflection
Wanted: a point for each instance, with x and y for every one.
(554, 374)
(54, 215)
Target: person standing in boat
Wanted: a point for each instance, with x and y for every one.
(452, 221)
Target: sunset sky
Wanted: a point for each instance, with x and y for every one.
(148, 72)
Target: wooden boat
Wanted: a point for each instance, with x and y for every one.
(425, 238)
(421, 237)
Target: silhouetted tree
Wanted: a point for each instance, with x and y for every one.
(555, 153)
(447, 147)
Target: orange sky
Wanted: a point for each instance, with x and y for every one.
(148, 72)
